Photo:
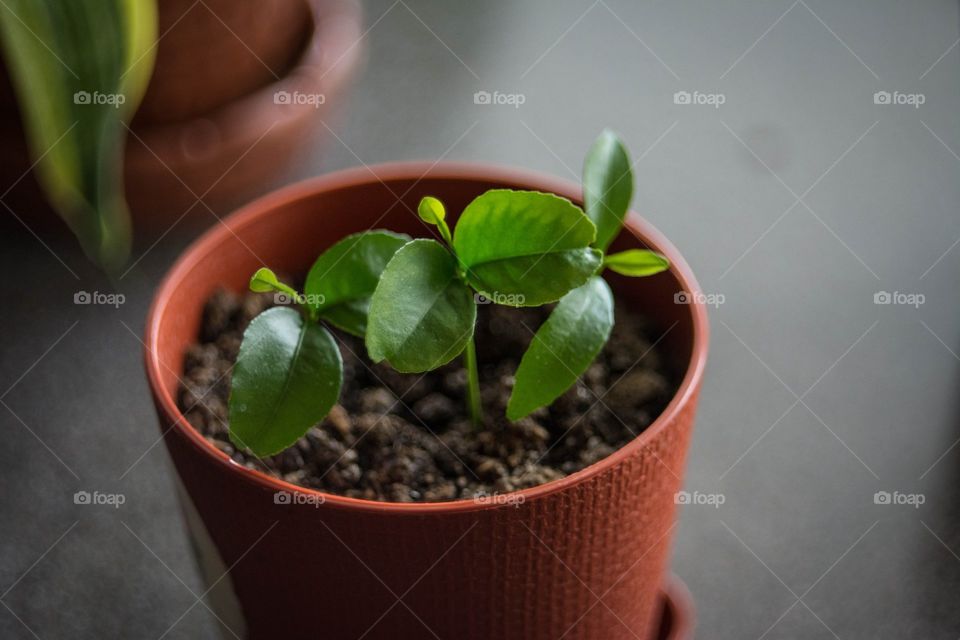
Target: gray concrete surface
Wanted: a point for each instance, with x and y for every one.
(796, 201)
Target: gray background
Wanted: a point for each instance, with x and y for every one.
(796, 201)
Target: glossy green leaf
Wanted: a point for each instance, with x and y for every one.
(607, 186)
(525, 246)
(563, 347)
(343, 278)
(421, 314)
(79, 68)
(286, 379)
(350, 316)
(636, 262)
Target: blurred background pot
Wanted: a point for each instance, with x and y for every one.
(214, 121)
(303, 563)
(215, 51)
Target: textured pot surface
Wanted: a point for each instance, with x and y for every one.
(583, 556)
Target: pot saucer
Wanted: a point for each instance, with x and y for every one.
(679, 616)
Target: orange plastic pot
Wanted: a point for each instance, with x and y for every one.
(580, 557)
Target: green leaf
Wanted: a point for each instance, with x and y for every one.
(265, 280)
(563, 347)
(422, 314)
(636, 262)
(350, 316)
(286, 379)
(79, 68)
(433, 212)
(607, 186)
(525, 245)
(343, 278)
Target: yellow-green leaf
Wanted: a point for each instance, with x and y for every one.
(636, 262)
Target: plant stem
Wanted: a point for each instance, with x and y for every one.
(473, 383)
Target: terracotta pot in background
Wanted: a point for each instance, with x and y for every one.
(330, 566)
(233, 151)
(215, 51)
(211, 124)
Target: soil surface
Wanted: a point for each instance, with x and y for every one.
(406, 438)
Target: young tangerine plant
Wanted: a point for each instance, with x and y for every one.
(415, 301)
(288, 372)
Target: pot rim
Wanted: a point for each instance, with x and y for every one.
(357, 177)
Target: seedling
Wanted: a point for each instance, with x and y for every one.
(570, 339)
(289, 371)
(520, 247)
(415, 301)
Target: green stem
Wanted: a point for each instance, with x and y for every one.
(473, 383)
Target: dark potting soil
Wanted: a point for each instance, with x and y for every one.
(406, 438)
